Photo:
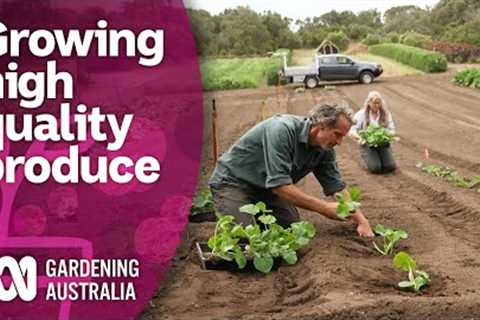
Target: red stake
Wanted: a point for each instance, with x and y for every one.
(214, 132)
(427, 154)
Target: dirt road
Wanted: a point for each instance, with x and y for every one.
(340, 276)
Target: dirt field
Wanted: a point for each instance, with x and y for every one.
(341, 276)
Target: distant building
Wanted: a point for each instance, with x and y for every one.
(327, 47)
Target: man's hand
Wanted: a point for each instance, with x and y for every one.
(363, 227)
(364, 230)
(330, 210)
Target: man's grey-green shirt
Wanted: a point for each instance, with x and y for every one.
(276, 152)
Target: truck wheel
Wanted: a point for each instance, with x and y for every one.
(311, 82)
(366, 77)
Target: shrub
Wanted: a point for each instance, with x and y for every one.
(420, 59)
(415, 39)
(456, 52)
(340, 39)
(392, 37)
(468, 78)
(372, 39)
(358, 31)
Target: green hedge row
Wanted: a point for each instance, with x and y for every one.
(468, 78)
(427, 61)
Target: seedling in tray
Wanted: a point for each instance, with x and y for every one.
(416, 279)
(203, 202)
(390, 238)
(262, 244)
(348, 202)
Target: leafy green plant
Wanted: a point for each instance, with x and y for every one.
(348, 202)
(203, 202)
(225, 241)
(263, 244)
(468, 78)
(375, 136)
(417, 279)
(450, 175)
(390, 238)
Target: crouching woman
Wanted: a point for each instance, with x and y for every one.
(377, 159)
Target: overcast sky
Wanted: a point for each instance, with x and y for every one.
(300, 9)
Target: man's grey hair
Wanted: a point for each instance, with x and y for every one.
(328, 114)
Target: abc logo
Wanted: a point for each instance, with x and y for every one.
(24, 278)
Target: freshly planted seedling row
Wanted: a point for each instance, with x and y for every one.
(267, 242)
(450, 175)
(417, 279)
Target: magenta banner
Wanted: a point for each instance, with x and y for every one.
(100, 142)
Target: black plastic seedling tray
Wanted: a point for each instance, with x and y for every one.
(210, 262)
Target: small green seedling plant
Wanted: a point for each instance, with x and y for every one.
(390, 238)
(263, 243)
(376, 136)
(203, 202)
(417, 279)
(450, 175)
(348, 202)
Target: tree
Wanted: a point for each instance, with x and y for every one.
(370, 18)
(359, 31)
(340, 39)
(203, 28)
(311, 32)
(279, 29)
(467, 33)
(244, 33)
(336, 19)
(407, 18)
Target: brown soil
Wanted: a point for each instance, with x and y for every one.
(339, 275)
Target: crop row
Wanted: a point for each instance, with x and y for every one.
(241, 73)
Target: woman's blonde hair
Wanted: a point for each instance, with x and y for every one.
(384, 113)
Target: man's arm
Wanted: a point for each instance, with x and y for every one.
(302, 200)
